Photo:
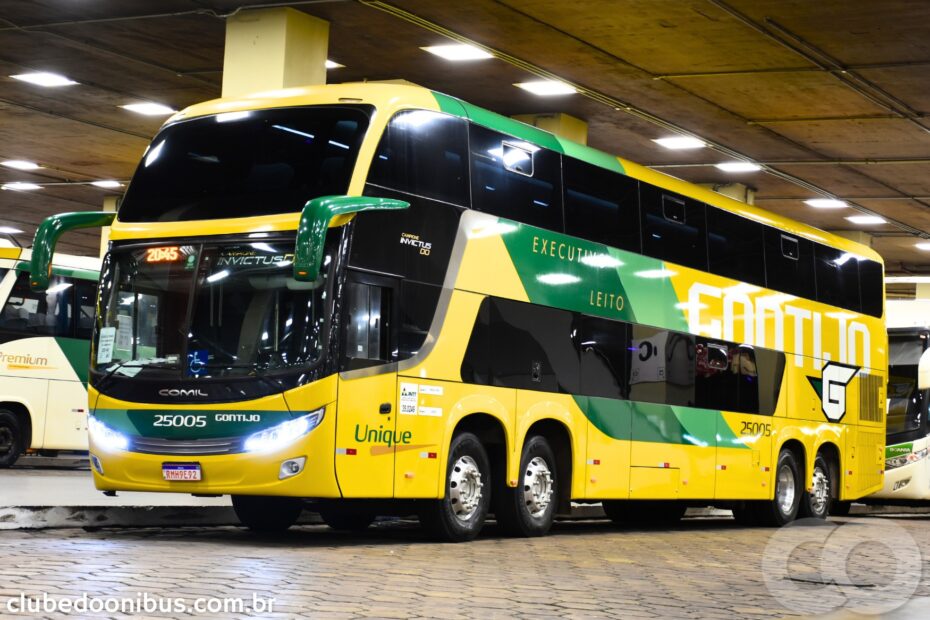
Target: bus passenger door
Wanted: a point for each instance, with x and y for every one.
(366, 416)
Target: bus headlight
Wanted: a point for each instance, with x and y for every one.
(105, 437)
(906, 459)
(283, 434)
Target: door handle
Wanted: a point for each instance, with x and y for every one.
(385, 408)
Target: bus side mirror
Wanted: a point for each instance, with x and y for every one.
(51, 228)
(316, 218)
(923, 371)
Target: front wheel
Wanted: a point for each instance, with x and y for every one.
(529, 509)
(12, 439)
(460, 514)
(788, 493)
(267, 514)
(816, 503)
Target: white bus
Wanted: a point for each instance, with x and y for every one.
(907, 468)
(44, 351)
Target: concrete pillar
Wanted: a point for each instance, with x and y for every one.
(110, 203)
(270, 49)
(562, 125)
(736, 191)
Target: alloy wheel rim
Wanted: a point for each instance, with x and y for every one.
(785, 489)
(465, 488)
(537, 486)
(820, 491)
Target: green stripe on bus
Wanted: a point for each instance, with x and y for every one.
(190, 423)
(77, 353)
(591, 155)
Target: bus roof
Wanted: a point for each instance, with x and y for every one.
(399, 96)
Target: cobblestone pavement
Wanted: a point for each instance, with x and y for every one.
(704, 568)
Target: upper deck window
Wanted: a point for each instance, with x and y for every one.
(246, 164)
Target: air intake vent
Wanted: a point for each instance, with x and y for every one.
(870, 409)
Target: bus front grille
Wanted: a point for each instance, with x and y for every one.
(186, 447)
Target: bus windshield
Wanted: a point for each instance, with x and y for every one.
(242, 164)
(905, 402)
(210, 310)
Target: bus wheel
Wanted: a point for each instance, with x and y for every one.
(460, 514)
(788, 493)
(644, 512)
(267, 514)
(816, 503)
(11, 439)
(529, 509)
(346, 520)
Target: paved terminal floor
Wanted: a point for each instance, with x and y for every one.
(703, 568)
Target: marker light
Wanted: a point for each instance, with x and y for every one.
(457, 53)
(105, 437)
(283, 434)
(44, 78)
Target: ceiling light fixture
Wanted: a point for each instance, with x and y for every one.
(9, 230)
(458, 53)
(20, 164)
(547, 88)
(149, 109)
(680, 143)
(923, 246)
(44, 78)
(826, 203)
(332, 64)
(867, 219)
(106, 184)
(738, 166)
(20, 186)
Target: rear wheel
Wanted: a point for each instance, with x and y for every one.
(529, 509)
(460, 514)
(644, 512)
(788, 493)
(352, 521)
(816, 503)
(267, 514)
(12, 439)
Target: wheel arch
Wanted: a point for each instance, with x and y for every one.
(21, 411)
(492, 433)
(831, 452)
(796, 447)
(559, 436)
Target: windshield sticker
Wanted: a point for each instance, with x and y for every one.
(105, 345)
(431, 390)
(124, 333)
(197, 362)
(129, 371)
(434, 412)
(408, 399)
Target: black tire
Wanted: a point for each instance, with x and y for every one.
(346, 520)
(816, 504)
(745, 513)
(468, 471)
(840, 509)
(267, 514)
(12, 439)
(529, 509)
(788, 485)
(644, 513)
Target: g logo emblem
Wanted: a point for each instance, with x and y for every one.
(831, 388)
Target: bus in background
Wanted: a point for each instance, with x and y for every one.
(387, 300)
(44, 352)
(907, 468)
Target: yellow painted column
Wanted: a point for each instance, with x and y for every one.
(736, 191)
(269, 49)
(922, 291)
(562, 125)
(110, 203)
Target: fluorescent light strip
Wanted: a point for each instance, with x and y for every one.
(680, 143)
(148, 109)
(866, 219)
(457, 53)
(20, 164)
(547, 88)
(738, 166)
(44, 78)
(826, 203)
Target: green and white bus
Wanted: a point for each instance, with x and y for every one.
(44, 342)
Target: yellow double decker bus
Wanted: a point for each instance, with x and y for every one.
(386, 300)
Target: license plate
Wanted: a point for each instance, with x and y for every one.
(189, 472)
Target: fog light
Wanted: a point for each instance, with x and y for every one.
(96, 463)
(292, 467)
(900, 484)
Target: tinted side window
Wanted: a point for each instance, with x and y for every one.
(870, 287)
(601, 205)
(789, 263)
(85, 294)
(476, 363)
(735, 247)
(605, 355)
(367, 324)
(417, 307)
(532, 348)
(424, 153)
(674, 227)
(661, 366)
(516, 180)
(837, 277)
(43, 314)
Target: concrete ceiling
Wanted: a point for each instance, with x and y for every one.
(830, 96)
